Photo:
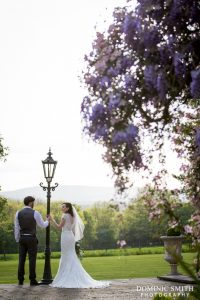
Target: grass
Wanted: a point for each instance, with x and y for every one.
(110, 267)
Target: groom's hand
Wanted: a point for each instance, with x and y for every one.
(48, 218)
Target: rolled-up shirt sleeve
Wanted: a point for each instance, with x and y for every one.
(17, 228)
(39, 220)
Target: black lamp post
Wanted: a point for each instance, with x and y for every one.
(49, 166)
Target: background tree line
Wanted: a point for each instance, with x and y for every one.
(105, 224)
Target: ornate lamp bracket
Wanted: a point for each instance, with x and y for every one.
(55, 186)
(43, 187)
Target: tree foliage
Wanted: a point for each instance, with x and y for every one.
(3, 149)
(3, 154)
(105, 224)
(4, 226)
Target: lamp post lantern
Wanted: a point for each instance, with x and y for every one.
(49, 167)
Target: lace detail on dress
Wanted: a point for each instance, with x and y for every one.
(69, 222)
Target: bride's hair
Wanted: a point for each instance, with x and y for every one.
(70, 210)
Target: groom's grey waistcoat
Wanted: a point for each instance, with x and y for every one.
(27, 222)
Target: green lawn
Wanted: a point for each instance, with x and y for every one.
(111, 267)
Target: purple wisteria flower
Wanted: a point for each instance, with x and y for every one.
(128, 136)
(179, 65)
(105, 82)
(130, 27)
(164, 55)
(150, 77)
(197, 140)
(113, 72)
(130, 82)
(194, 12)
(179, 3)
(161, 86)
(148, 3)
(171, 41)
(119, 137)
(101, 132)
(91, 80)
(175, 11)
(132, 132)
(118, 15)
(151, 38)
(195, 84)
(85, 103)
(124, 63)
(114, 101)
(98, 112)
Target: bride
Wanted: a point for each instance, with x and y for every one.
(70, 273)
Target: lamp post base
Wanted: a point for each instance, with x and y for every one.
(47, 276)
(45, 281)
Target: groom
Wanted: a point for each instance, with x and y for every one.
(25, 234)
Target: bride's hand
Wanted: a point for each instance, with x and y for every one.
(51, 218)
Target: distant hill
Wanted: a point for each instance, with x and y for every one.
(81, 195)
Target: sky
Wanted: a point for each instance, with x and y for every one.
(42, 48)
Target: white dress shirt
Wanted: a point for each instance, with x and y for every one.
(38, 218)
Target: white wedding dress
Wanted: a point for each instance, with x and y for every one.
(70, 273)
